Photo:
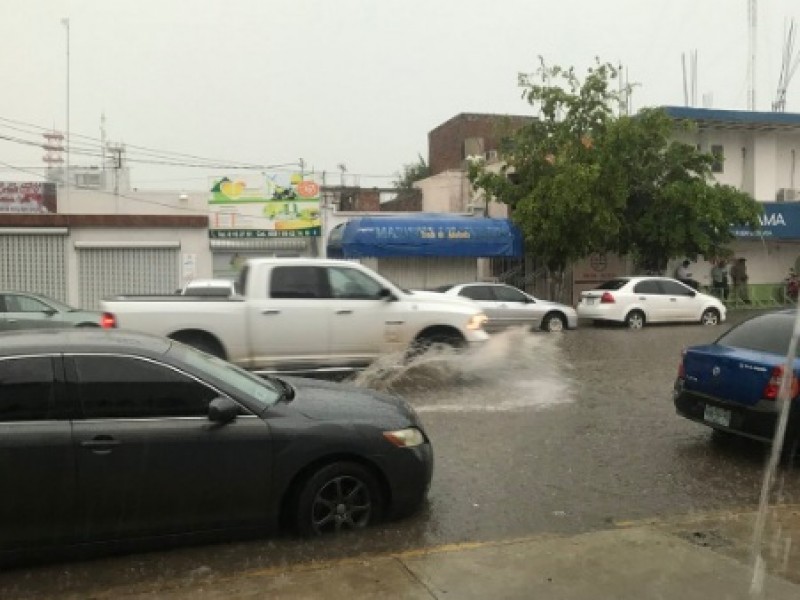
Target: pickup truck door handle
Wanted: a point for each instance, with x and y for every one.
(673, 299)
(270, 311)
(642, 298)
(344, 311)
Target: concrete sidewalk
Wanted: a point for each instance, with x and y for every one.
(701, 557)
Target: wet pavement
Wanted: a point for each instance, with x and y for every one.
(534, 434)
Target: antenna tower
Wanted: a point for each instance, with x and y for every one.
(788, 68)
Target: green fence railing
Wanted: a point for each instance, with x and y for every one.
(756, 295)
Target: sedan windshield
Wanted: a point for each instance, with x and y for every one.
(261, 390)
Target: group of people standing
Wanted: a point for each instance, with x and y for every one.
(738, 280)
(720, 276)
(737, 289)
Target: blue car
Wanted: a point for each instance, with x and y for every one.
(732, 385)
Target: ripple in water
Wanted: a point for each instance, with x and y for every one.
(514, 370)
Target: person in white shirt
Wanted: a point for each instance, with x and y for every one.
(683, 275)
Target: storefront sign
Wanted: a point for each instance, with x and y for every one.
(261, 207)
(32, 197)
(781, 221)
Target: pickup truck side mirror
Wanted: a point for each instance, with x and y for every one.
(222, 410)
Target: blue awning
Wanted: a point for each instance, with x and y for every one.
(425, 235)
(780, 221)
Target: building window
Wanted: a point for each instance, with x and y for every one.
(718, 163)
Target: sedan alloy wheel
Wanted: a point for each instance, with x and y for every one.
(339, 497)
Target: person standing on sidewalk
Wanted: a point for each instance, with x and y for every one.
(719, 280)
(683, 275)
(739, 278)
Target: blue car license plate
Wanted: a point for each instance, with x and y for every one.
(716, 415)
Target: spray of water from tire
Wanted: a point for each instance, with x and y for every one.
(487, 378)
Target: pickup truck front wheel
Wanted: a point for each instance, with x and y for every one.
(203, 342)
(436, 340)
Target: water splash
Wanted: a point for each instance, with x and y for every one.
(514, 370)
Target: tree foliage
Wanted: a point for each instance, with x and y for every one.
(412, 172)
(581, 179)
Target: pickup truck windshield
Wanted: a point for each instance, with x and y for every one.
(260, 390)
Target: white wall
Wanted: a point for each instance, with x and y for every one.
(95, 202)
(757, 162)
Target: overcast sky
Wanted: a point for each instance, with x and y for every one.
(353, 82)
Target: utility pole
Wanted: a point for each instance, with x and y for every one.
(116, 152)
(752, 11)
(65, 23)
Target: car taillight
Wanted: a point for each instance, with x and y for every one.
(774, 384)
(108, 321)
(681, 367)
(607, 298)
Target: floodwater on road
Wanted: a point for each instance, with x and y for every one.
(514, 370)
(533, 433)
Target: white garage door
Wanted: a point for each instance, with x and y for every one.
(34, 263)
(111, 271)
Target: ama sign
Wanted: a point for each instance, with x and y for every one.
(780, 221)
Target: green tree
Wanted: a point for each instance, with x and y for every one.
(580, 179)
(411, 172)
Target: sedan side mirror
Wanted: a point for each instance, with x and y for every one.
(386, 294)
(222, 410)
(50, 312)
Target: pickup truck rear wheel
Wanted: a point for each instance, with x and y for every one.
(204, 343)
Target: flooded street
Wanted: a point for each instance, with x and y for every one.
(535, 433)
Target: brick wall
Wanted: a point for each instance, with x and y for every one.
(446, 142)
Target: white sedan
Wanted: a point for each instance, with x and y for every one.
(635, 301)
(506, 306)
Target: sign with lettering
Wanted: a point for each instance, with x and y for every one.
(780, 221)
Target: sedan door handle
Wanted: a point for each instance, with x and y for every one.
(344, 311)
(101, 444)
(673, 299)
(270, 311)
(642, 298)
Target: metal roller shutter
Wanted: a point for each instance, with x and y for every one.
(110, 271)
(428, 272)
(34, 263)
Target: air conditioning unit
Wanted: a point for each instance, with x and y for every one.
(788, 195)
(491, 155)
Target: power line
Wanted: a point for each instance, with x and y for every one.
(166, 158)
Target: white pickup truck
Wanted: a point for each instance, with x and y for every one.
(304, 314)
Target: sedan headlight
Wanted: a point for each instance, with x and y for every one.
(477, 321)
(405, 438)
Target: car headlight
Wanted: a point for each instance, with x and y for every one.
(405, 438)
(477, 321)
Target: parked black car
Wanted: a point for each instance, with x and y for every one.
(112, 435)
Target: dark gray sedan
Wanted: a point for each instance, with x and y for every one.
(23, 310)
(111, 435)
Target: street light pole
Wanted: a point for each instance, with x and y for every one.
(65, 23)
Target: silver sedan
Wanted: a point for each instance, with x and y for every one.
(506, 306)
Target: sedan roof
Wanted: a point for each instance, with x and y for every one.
(81, 340)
